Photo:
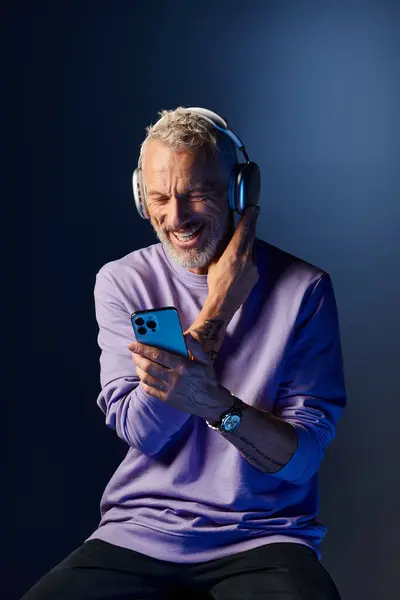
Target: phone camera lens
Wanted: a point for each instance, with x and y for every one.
(151, 324)
(139, 321)
(142, 330)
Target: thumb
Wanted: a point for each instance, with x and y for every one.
(195, 349)
(253, 210)
(249, 217)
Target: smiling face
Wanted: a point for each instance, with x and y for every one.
(186, 191)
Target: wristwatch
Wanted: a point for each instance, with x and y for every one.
(230, 419)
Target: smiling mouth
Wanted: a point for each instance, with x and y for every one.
(185, 237)
(190, 240)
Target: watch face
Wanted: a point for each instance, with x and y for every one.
(231, 422)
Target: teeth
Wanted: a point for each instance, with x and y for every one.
(189, 234)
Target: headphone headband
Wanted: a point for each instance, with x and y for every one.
(220, 124)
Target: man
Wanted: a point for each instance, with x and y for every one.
(231, 514)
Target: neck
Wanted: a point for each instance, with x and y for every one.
(226, 238)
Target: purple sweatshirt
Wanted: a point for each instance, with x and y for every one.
(184, 493)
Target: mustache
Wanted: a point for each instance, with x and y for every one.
(182, 228)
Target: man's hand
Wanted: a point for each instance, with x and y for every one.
(189, 385)
(233, 276)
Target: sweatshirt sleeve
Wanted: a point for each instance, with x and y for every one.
(312, 394)
(142, 421)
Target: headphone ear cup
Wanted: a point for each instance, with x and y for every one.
(139, 194)
(247, 185)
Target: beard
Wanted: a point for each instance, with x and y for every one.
(195, 258)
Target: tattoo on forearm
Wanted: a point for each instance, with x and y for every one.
(213, 355)
(237, 434)
(210, 329)
(255, 449)
(208, 334)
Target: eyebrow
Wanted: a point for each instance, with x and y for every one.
(204, 185)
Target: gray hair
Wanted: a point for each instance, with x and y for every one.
(180, 130)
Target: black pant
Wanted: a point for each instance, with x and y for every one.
(98, 570)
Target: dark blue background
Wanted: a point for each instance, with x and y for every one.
(313, 90)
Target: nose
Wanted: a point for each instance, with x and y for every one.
(178, 212)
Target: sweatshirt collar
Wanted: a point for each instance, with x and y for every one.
(181, 272)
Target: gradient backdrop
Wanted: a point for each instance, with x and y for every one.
(313, 90)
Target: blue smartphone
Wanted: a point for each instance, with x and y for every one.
(161, 328)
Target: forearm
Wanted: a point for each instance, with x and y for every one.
(264, 440)
(210, 326)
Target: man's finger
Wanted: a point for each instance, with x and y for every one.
(252, 236)
(195, 349)
(162, 357)
(246, 229)
(253, 210)
(249, 218)
(148, 379)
